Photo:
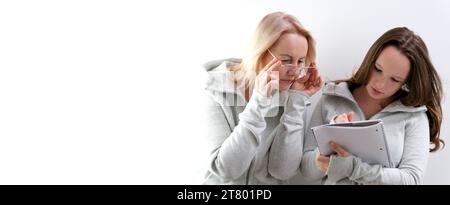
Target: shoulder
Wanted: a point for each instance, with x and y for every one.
(417, 118)
(411, 115)
(215, 64)
(219, 74)
(330, 100)
(219, 81)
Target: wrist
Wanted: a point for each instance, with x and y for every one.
(340, 167)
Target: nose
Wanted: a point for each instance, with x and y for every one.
(293, 70)
(380, 83)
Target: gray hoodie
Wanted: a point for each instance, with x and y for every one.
(259, 142)
(407, 134)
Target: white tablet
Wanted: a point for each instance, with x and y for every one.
(364, 139)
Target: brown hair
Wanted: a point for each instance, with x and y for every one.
(423, 82)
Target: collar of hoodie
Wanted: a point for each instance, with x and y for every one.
(341, 90)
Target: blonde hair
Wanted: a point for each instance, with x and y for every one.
(269, 30)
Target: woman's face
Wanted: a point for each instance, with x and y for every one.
(389, 73)
(290, 49)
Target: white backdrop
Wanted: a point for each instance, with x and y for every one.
(109, 92)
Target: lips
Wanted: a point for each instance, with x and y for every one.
(377, 92)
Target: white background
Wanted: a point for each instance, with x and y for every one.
(109, 92)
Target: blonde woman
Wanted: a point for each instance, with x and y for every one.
(255, 107)
(398, 84)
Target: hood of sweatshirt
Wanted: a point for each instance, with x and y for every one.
(222, 88)
(220, 85)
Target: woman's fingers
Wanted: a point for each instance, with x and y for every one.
(342, 118)
(314, 70)
(268, 89)
(310, 83)
(270, 86)
(318, 82)
(304, 79)
(315, 83)
(312, 77)
(350, 116)
(274, 63)
(275, 66)
(322, 162)
(272, 75)
(268, 77)
(322, 158)
(339, 150)
(345, 117)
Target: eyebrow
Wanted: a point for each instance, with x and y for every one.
(378, 65)
(291, 56)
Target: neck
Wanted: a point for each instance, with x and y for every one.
(369, 105)
(362, 97)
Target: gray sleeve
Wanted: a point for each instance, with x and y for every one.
(308, 165)
(231, 151)
(287, 148)
(411, 169)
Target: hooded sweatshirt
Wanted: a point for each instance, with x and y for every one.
(407, 135)
(249, 142)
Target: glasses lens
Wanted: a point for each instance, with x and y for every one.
(289, 66)
(292, 66)
(303, 71)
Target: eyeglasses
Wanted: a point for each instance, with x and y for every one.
(301, 66)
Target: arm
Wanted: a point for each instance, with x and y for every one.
(308, 166)
(287, 148)
(411, 169)
(232, 150)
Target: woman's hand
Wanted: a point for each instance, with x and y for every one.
(267, 79)
(323, 161)
(310, 83)
(345, 117)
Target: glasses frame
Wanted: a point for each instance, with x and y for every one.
(303, 69)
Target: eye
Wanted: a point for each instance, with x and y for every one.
(377, 70)
(395, 80)
(301, 62)
(286, 61)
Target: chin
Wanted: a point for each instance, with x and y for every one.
(378, 97)
(374, 96)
